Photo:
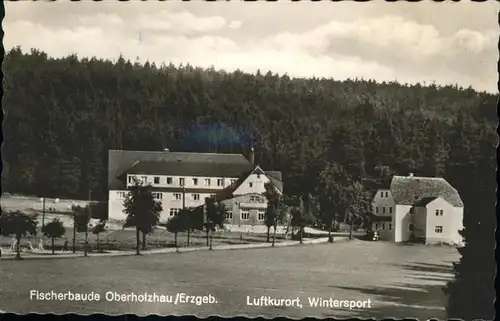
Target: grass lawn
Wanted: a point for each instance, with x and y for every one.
(126, 240)
(401, 281)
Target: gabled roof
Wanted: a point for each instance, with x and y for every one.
(424, 201)
(119, 161)
(274, 174)
(407, 190)
(181, 168)
(227, 193)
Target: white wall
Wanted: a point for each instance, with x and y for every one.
(402, 221)
(257, 185)
(168, 201)
(188, 181)
(385, 204)
(115, 206)
(451, 221)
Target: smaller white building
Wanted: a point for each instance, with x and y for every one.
(422, 209)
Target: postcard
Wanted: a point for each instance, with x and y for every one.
(296, 159)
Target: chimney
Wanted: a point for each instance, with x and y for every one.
(410, 175)
(251, 156)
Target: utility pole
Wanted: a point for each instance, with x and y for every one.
(87, 218)
(43, 212)
(184, 213)
(74, 230)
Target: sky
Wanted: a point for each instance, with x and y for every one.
(444, 43)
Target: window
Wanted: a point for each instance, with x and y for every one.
(177, 196)
(169, 180)
(261, 215)
(157, 180)
(254, 199)
(412, 210)
(181, 181)
(130, 179)
(382, 194)
(121, 194)
(438, 229)
(383, 209)
(376, 209)
(233, 181)
(390, 226)
(229, 215)
(195, 181)
(158, 196)
(376, 226)
(410, 227)
(220, 182)
(245, 215)
(207, 182)
(144, 179)
(390, 209)
(439, 212)
(250, 184)
(174, 211)
(196, 197)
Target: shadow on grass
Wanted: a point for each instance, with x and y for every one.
(400, 301)
(427, 267)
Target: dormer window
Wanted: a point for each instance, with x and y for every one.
(250, 184)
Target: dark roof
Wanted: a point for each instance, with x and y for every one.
(424, 201)
(120, 161)
(227, 193)
(180, 168)
(274, 174)
(407, 190)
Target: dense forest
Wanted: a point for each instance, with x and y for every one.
(63, 115)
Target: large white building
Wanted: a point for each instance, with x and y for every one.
(426, 209)
(179, 179)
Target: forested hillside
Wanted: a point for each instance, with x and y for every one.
(64, 114)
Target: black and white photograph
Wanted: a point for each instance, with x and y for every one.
(260, 159)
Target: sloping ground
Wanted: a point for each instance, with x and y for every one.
(31, 203)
